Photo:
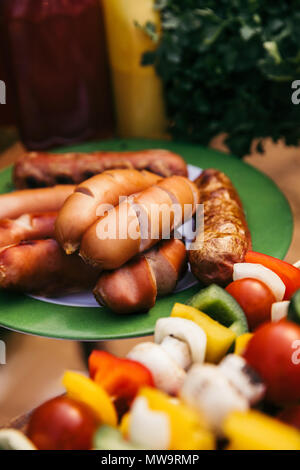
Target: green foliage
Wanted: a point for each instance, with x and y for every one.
(227, 66)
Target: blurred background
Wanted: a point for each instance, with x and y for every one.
(219, 73)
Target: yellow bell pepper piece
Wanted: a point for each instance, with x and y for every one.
(137, 89)
(83, 389)
(241, 343)
(255, 431)
(124, 425)
(187, 429)
(219, 338)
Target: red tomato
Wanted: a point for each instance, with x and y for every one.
(291, 415)
(255, 298)
(274, 352)
(289, 275)
(62, 424)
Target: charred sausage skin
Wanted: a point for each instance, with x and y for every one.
(40, 169)
(226, 233)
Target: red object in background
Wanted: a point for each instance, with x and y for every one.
(62, 424)
(289, 275)
(255, 298)
(56, 59)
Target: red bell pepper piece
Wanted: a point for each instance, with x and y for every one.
(287, 272)
(121, 378)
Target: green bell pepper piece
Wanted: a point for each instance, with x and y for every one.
(222, 307)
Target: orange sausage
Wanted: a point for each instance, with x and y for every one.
(14, 204)
(138, 223)
(80, 210)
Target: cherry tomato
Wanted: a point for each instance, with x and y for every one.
(291, 415)
(62, 424)
(274, 352)
(255, 298)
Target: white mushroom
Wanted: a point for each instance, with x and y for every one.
(279, 310)
(167, 375)
(243, 378)
(297, 264)
(209, 391)
(11, 439)
(178, 350)
(185, 330)
(147, 427)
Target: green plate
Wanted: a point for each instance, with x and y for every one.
(270, 221)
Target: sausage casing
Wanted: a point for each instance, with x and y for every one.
(226, 233)
(80, 210)
(135, 286)
(41, 267)
(38, 169)
(138, 223)
(26, 201)
(27, 227)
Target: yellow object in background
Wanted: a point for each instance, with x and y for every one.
(219, 338)
(256, 431)
(138, 93)
(241, 343)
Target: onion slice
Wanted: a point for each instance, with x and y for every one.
(263, 274)
(279, 310)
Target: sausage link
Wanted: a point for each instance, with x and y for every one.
(27, 227)
(38, 169)
(135, 286)
(41, 267)
(80, 210)
(26, 201)
(226, 233)
(138, 223)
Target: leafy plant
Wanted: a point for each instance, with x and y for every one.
(227, 66)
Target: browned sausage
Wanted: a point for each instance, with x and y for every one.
(38, 169)
(226, 233)
(42, 267)
(135, 286)
(27, 227)
(14, 204)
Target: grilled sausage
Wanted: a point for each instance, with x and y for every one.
(14, 204)
(27, 227)
(226, 234)
(80, 210)
(135, 286)
(139, 222)
(42, 267)
(38, 169)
